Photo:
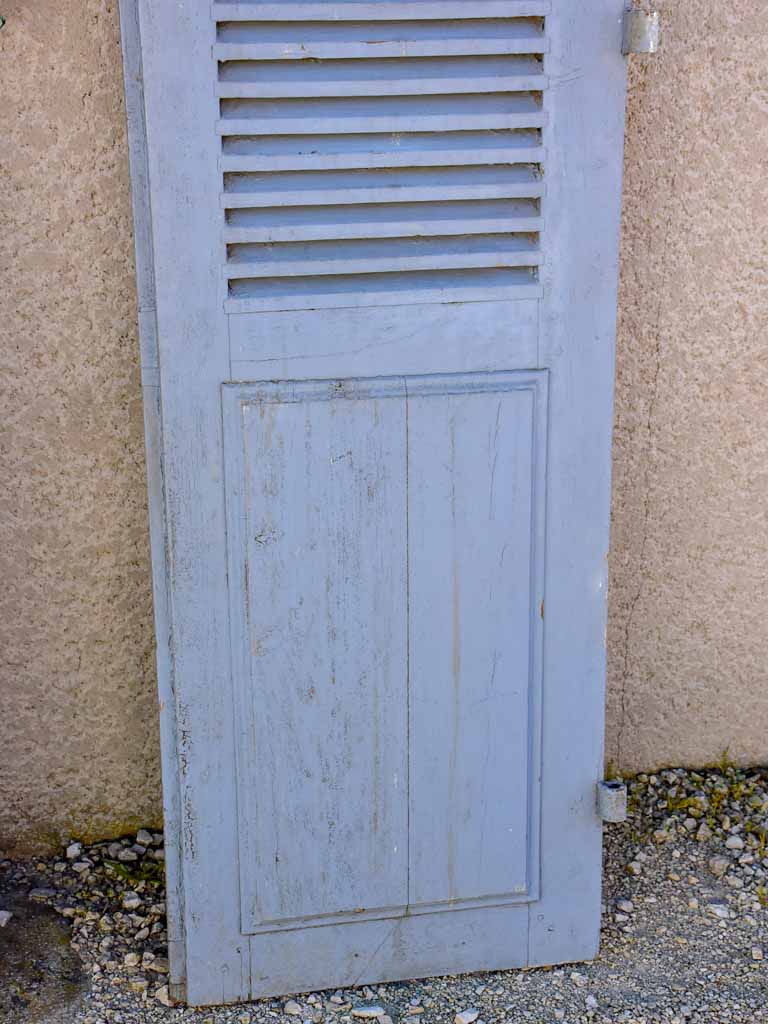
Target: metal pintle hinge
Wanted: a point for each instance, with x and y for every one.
(612, 800)
(641, 32)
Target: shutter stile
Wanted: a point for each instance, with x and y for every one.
(380, 153)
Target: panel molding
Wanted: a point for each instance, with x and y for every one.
(236, 397)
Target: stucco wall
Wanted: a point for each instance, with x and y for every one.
(78, 732)
(688, 631)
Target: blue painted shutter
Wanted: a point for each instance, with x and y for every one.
(385, 367)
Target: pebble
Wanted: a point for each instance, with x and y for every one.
(757, 953)
(625, 906)
(591, 1003)
(5, 917)
(293, 1009)
(74, 850)
(719, 865)
(162, 996)
(42, 894)
(466, 1017)
(367, 1012)
(131, 901)
(734, 843)
(719, 910)
(144, 838)
(635, 867)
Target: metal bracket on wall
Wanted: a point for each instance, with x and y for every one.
(612, 800)
(641, 32)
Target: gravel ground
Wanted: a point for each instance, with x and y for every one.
(685, 929)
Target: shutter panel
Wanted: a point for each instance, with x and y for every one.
(380, 153)
(385, 375)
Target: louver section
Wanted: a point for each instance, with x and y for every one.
(380, 153)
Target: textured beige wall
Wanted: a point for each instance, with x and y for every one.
(78, 732)
(688, 632)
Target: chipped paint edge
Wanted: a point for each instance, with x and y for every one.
(130, 38)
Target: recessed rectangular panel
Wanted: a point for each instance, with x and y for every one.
(475, 509)
(316, 511)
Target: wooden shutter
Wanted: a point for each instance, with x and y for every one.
(383, 365)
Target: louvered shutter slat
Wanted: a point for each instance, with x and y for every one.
(389, 77)
(333, 152)
(262, 10)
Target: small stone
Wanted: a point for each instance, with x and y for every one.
(74, 850)
(41, 894)
(690, 824)
(591, 1003)
(163, 996)
(143, 837)
(139, 985)
(82, 866)
(159, 965)
(292, 1008)
(60, 866)
(625, 906)
(559, 1014)
(719, 910)
(244, 1018)
(131, 959)
(757, 953)
(158, 855)
(131, 901)
(734, 843)
(368, 1012)
(414, 1009)
(635, 867)
(580, 980)
(704, 832)
(336, 998)
(126, 856)
(719, 865)
(5, 917)
(466, 1017)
